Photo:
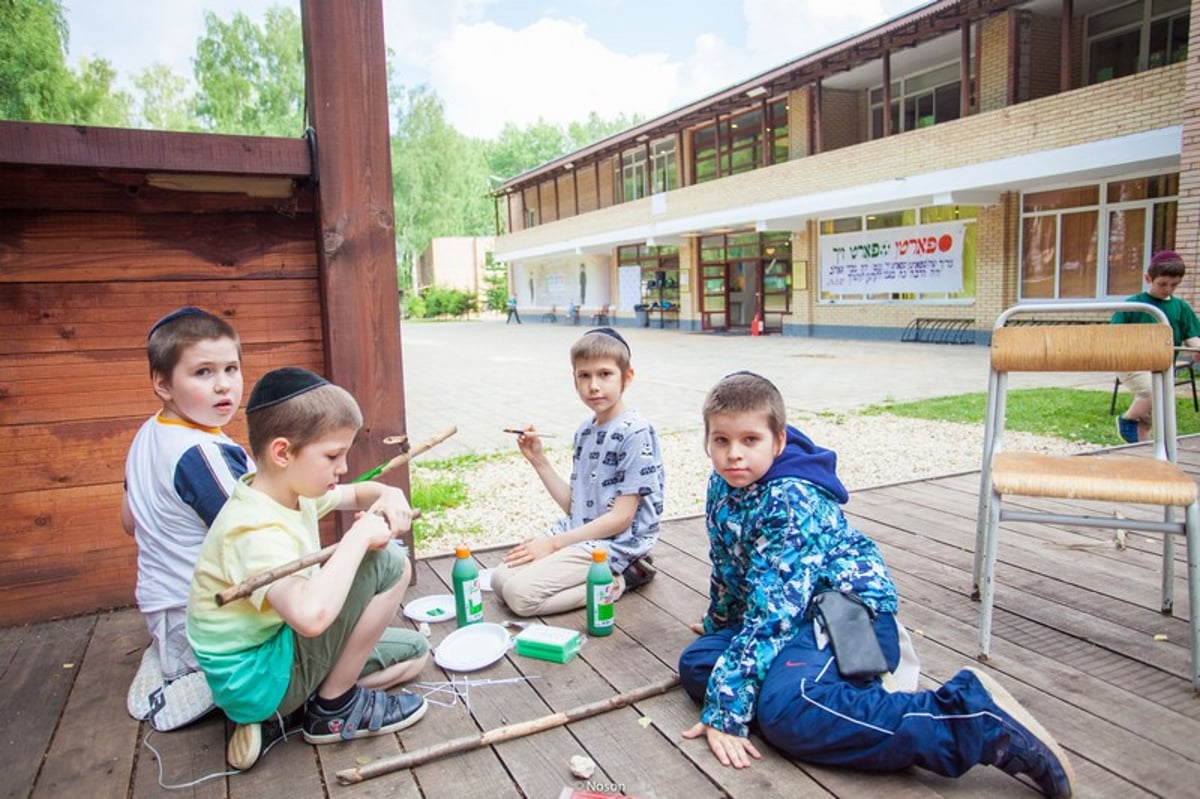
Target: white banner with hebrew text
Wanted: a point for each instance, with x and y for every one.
(921, 258)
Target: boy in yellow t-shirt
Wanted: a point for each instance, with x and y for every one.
(312, 643)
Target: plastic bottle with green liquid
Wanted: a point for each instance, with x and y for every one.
(599, 595)
(468, 596)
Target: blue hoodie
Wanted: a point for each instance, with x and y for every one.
(803, 459)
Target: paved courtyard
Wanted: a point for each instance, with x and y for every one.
(484, 375)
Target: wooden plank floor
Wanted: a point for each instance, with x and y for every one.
(1075, 640)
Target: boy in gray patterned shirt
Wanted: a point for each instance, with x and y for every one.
(614, 498)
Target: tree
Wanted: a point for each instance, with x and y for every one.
(166, 103)
(94, 101)
(439, 178)
(35, 83)
(251, 79)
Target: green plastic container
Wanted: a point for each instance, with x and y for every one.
(541, 641)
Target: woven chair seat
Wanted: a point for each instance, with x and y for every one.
(1117, 478)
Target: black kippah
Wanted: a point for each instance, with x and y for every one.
(282, 384)
(608, 331)
(187, 310)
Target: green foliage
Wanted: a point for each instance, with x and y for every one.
(1068, 413)
(518, 150)
(495, 278)
(435, 302)
(165, 102)
(439, 178)
(251, 79)
(35, 82)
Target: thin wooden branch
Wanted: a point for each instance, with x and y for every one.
(506, 733)
(406, 456)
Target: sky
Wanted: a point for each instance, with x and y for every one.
(498, 61)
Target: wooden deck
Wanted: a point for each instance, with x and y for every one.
(1075, 639)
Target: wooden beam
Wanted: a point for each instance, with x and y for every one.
(885, 61)
(816, 145)
(964, 70)
(346, 77)
(1066, 17)
(38, 144)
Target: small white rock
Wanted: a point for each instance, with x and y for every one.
(582, 766)
(423, 629)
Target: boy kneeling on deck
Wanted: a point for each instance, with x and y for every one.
(317, 638)
(784, 556)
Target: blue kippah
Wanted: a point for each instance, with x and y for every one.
(608, 331)
(282, 384)
(178, 313)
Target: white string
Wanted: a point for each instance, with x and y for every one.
(199, 780)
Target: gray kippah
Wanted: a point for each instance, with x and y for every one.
(282, 384)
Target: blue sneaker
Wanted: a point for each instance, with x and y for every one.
(1127, 429)
(1024, 746)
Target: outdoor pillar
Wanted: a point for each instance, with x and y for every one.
(1188, 218)
(346, 88)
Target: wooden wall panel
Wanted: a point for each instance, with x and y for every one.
(46, 247)
(78, 293)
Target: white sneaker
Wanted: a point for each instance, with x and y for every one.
(180, 702)
(149, 678)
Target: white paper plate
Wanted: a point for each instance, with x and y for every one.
(485, 579)
(472, 647)
(436, 607)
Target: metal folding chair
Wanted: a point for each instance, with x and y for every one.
(1116, 478)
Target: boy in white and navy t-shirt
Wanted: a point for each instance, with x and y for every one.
(179, 471)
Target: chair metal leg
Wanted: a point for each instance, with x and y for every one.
(987, 593)
(1168, 566)
(981, 537)
(1192, 526)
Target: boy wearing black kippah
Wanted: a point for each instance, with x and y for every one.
(614, 498)
(180, 469)
(314, 643)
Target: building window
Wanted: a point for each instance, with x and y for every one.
(1135, 36)
(1093, 241)
(633, 174)
(662, 155)
(748, 140)
(907, 217)
(926, 99)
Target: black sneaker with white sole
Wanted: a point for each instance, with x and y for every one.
(367, 713)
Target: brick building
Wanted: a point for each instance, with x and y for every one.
(1034, 150)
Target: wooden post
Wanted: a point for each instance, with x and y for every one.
(346, 79)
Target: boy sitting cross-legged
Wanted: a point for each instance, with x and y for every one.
(783, 553)
(614, 498)
(322, 637)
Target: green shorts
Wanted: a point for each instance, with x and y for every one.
(314, 657)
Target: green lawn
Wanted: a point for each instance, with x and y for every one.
(1069, 413)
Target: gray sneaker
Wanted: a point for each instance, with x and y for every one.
(1025, 747)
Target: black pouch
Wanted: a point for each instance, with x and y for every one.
(847, 622)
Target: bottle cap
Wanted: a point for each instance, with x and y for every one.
(599, 555)
(462, 552)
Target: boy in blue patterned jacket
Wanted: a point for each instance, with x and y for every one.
(778, 538)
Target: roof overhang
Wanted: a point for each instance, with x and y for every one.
(976, 184)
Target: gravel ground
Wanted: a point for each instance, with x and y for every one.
(506, 502)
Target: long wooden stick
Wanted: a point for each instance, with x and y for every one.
(254, 582)
(405, 457)
(416, 757)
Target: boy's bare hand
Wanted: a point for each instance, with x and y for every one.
(731, 750)
(528, 551)
(697, 628)
(393, 507)
(374, 529)
(530, 443)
